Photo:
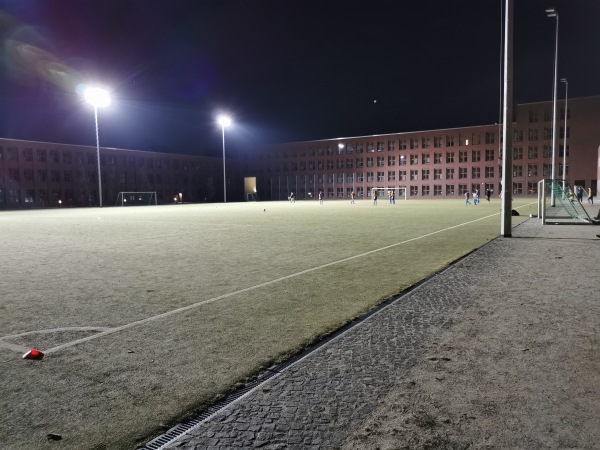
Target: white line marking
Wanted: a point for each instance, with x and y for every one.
(251, 288)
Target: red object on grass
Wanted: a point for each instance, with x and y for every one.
(33, 354)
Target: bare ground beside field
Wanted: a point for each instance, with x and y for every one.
(519, 369)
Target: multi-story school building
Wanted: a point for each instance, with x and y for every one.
(442, 163)
(427, 164)
(40, 174)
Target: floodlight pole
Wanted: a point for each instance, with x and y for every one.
(564, 172)
(98, 156)
(97, 97)
(553, 13)
(224, 121)
(507, 138)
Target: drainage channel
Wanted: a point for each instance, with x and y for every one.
(183, 428)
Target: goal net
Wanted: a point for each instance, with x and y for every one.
(558, 202)
(384, 193)
(136, 199)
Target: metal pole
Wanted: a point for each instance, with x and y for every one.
(506, 224)
(564, 173)
(552, 201)
(98, 156)
(224, 179)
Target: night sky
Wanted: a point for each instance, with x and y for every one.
(286, 70)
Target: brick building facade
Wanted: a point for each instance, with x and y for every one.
(441, 163)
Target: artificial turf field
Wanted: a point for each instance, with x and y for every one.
(149, 313)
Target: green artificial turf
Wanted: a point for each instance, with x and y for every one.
(261, 280)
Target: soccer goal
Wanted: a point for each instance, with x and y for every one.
(558, 203)
(383, 193)
(136, 199)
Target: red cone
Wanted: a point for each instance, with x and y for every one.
(33, 354)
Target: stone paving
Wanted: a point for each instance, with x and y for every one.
(318, 401)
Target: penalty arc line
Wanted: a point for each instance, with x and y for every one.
(251, 288)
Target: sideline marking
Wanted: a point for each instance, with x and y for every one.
(251, 288)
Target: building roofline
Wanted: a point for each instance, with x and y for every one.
(59, 144)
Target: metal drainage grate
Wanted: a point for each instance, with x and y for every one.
(180, 429)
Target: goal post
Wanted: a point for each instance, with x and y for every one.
(384, 192)
(136, 199)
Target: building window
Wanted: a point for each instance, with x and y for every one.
(532, 152)
(54, 156)
(532, 170)
(329, 164)
(12, 154)
(489, 155)
(391, 146)
(320, 165)
(380, 177)
(349, 149)
(547, 151)
(13, 174)
(450, 174)
(449, 157)
(533, 116)
(414, 191)
(437, 174)
(437, 141)
(546, 169)
(339, 164)
(475, 172)
(391, 161)
(562, 114)
(380, 146)
(532, 188)
(562, 132)
(402, 175)
(437, 158)
(414, 159)
(437, 190)
(414, 175)
(547, 133)
(360, 177)
(402, 144)
(462, 156)
(349, 163)
(425, 158)
(462, 173)
(518, 136)
(370, 148)
(414, 143)
(370, 177)
(380, 161)
(370, 161)
(533, 134)
(449, 141)
(560, 170)
(475, 155)
(518, 153)
(402, 161)
(517, 171)
(40, 155)
(424, 190)
(517, 188)
(425, 142)
(27, 154)
(425, 174)
(489, 171)
(359, 148)
(489, 138)
(449, 189)
(28, 174)
(359, 162)
(561, 150)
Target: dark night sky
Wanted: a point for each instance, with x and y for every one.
(286, 70)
